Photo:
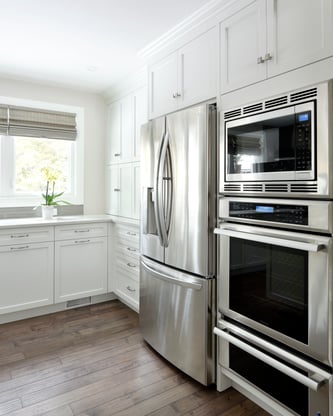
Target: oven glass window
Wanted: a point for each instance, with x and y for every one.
(269, 284)
(279, 386)
(281, 144)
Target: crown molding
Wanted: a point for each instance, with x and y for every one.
(206, 13)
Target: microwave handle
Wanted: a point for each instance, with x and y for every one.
(279, 240)
(283, 368)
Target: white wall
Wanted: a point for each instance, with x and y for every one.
(94, 130)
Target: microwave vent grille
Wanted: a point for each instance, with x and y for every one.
(304, 188)
(276, 187)
(252, 187)
(231, 187)
(276, 102)
(232, 113)
(303, 95)
(253, 108)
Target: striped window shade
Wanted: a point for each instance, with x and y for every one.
(31, 122)
(3, 119)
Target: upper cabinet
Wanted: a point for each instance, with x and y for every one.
(125, 117)
(269, 37)
(185, 77)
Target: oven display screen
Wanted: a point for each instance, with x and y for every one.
(261, 208)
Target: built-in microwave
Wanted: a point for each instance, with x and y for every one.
(281, 145)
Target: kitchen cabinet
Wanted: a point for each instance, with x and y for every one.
(123, 190)
(26, 268)
(80, 261)
(185, 77)
(124, 120)
(269, 37)
(123, 277)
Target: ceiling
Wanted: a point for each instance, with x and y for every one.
(85, 44)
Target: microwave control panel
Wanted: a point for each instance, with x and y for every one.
(303, 141)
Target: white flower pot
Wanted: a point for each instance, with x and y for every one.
(47, 212)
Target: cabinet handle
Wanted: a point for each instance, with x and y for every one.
(82, 231)
(131, 249)
(268, 57)
(117, 154)
(260, 60)
(176, 95)
(19, 248)
(130, 233)
(19, 236)
(130, 289)
(131, 265)
(116, 189)
(81, 241)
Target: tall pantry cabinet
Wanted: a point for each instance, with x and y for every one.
(122, 170)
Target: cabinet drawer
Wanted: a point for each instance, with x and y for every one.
(127, 235)
(128, 266)
(69, 232)
(128, 251)
(26, 235)
(128, 289)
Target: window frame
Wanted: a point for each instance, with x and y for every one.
(77, 167)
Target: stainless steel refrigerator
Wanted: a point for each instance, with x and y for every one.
(177, 284)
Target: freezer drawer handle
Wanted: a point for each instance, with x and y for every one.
(313, 384)
(171, 279)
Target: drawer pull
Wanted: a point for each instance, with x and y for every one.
(131, 249)
(19, 248)
(117, 154)
(130, 289)
(82, 231)
(131, 233)
(131, 265)
(81, 241)
(19, 236)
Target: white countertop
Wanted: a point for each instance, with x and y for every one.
(38, 222)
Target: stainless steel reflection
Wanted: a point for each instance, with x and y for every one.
(178, 215)
(176, 318)
(320, 276)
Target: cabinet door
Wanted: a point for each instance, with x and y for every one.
(163, 86)
(136, 193)
(140, 118)
(26, 276)
(127, 129)
(198, 69)
(112, 191)
(126, 190)
(243, 42)
(113, 141)
(80, 268)
(299, 32)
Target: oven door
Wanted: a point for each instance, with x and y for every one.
(278, 283)
(283, 382)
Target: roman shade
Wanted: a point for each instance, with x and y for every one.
(3, 119)
(31, 122)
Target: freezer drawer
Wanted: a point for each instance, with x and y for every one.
(176, 318)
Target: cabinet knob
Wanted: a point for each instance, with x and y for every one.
(268, 57)
(260, 60)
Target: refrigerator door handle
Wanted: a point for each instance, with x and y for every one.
(159, 191)
(176, 280)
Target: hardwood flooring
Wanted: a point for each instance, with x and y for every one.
(92, 361)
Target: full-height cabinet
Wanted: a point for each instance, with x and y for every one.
(269, 37)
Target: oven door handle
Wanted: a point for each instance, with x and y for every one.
(275, 239)
(314, 382)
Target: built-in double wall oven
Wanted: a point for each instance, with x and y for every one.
(275, 278)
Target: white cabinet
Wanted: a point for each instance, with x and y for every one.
(80, 261)
(269, 37)
(123, 190)
(124, 270)
(124, 120)
(26, 268)
(185, 77)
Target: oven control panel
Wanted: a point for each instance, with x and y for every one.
(288, 214)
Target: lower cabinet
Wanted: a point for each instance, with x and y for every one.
(124, 260)
(26, 276)
(80, 263)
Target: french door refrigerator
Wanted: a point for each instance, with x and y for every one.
(177, 284)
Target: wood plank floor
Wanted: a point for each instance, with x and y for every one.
(92, 361)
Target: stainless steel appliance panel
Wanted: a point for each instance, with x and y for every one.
(152, 135)
(190, 238)
(176, 318)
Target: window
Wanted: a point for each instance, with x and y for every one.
(50, 141)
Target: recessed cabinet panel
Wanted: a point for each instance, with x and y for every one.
(126, 189)
(113, 149)
(127, 129)
(112, 190)
(136, 191)
(141, 117)
(26, 276)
